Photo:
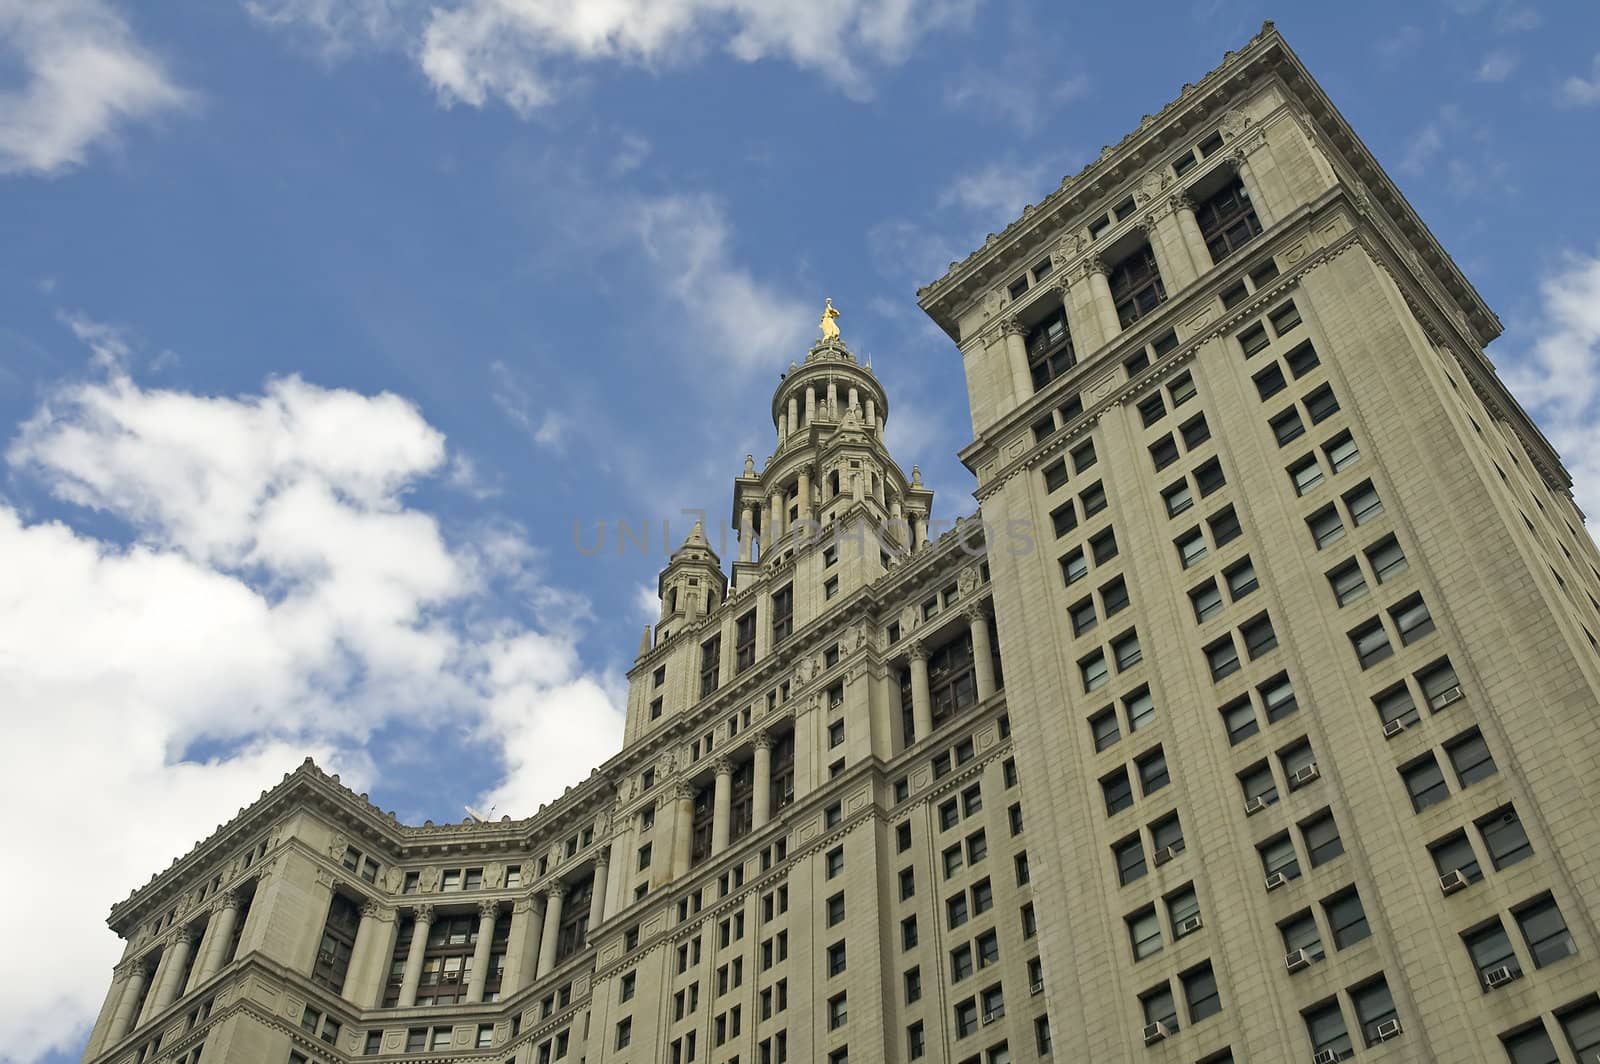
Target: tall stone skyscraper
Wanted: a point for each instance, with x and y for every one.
(1292, 756)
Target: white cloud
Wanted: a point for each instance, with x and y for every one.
(1559, 378)
(1420, 150)
(546, 429)
(83, 76)
(1583, 91)
(688, 244)
(1021, 97)
(904, 251)
(477, 51)
(998, 191)
(1497, 65)
(279, 596)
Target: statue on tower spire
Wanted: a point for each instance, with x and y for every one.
(830, 331)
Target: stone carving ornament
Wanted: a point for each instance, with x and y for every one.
(1151, 185)
(428, 879)
(1069, 247)
(967, 581)
(1233, 123)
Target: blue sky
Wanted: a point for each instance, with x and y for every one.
(323, 321)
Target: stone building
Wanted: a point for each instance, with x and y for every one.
(1292, 757)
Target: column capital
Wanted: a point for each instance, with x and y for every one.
(121, 971)
(488, 910)
(423, 914)
(762, 741)
(724, 766)
(522, 905)
(1013, 327)
(1181, 201)
(683, 792)
(555, 890)
(602, 859)
(1090, 266)
(228, 899)
(185, 936)
(975, 613)
(917, 650)
(373, 909)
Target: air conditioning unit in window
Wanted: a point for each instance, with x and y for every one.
(1447, 696)
(1327, 1056)
(1393, 728)
(1386, 1030)
(1189, 926)
(1500, 976)
(992, 1015)
(1276, 880)
(1254, 805)
(1165, 854)
(1296, 960)
(1155, 1032)
(1452, 881)
(1303, 776)
(1036, 987)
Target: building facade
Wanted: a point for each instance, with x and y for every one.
(1255, 717)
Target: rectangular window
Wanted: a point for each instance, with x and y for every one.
(1469, 756)
(1114, 597)
(1412, 620)
(1544, 931)
(1326, 526)
(1241, 579)
(1074, 566)
(1208, 477)
(1129, 854)
(745, 641)
(1453, 853)
(1136, 287)
(1285, 318)
(1104, 546)
(1103, 726)
(1144, 932)
(1257, 783)
(1278, 856)
(1159, 1008)
(1277, 695)
(1363, 503)
(1064, 518)
(1581, 1024)
(1348, 582)
(1387, 559)
(1425, 782)
(1374, 1009)
(1191, 548)
(1055, 475)
(1321, 836)
(1127, 651)
(1239, 717)
(1177, 498)
(1440, 685)
(1092, 499)
(1326, 1029)
(1227, 220)
(1287, 426)
(1371, 643)
(1117, 791)
(1254, 340)
(1152, 410)
(1140, 709)
(1083, 457)
(1346, 918)
(782, 614)
(1182, 387)
(1195, 432)
(1342, 452)
(1223, 658)
(1094, 671)
(1395, 705)
(1306, 474)
(1321, 404)
(1206, 600)
(1259, 637)
(1299, 932)
(1224, 526)
(1163, 452)
(1200, 992)
(1269, 382)
(1504, 837)
(1303, 360)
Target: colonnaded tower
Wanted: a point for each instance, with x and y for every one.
(1293, 756)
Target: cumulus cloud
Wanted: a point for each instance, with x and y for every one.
(1583, 92)
(273, 593)
(476, 51)
(1559, 377)
(83, 76)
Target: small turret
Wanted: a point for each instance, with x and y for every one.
(693, 583)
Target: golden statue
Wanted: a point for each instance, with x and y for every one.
(830, 331)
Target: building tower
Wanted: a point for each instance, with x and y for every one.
(1291, 757)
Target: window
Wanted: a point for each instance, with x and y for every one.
(1395, 704)
(1278, 856)
(1374, 1008)
(1117, 791)
(1239, 717)
(955, 911)
(1387, 559)
(1371, 643)
(623, 1040)
(1287, 426)
(1326, 526)
(782, 613)
(1453, 853)
(966, 1017)
(952, 861)
(1064, 518)
(835, 861)
(1083, 616)
(1300, 933)
(977, 847)
(1055, 475)
(1158, 1007)
(1348, 583)
(1346, 918)
(1227, 220)
(1152, 771)
(1152, 410)
(1306, 474)
(1544, 931)
(836, 958)
(1140, 708)
(1285, 318)
(1200, 992)
(1469, 756)
(1241, 578)
(1195, 432)
(1144, 932)
(1208, 478)
(1257, 782)
(830, 587)
(1129, 854)
(1440, 685)
(1321, 835)
(1094, 671)
(1424, 782)
(1581, 1024)
(1182, 906)
(1224, 526)
(1531, 1045)
(1167, 834)
(1504, 837)
(1223, 658)
(1302, 360)
(1325, 1026)
(1083, 457)
(1127, 651)
(1050, 349)
(1074, 566)
(1177, 498)
(913, 984)
(1342, 452)
(1321, 404)
(1206, 600)
(1259, 638)
(1136, 286)
(710, 661)
(1364, 504)
(1163, 452)
(744, 641)
(1103, 726)
(1191, 548)
(916, 1043)
(1104, 546)
(1269, 382)
(960, 963)
(1254, 340)
(1277, 694)
(838, 1011)
(1490, 950)
(1412, 620)
(908, 882)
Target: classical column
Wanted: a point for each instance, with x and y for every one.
(202, 950)
(850, 398)
(1105, 308)
(552, 929)
(1016, 342)
(794, 415)
(522, 951)
(921, 700)
(722, 809)
(872, 413)
(219, 935)
(361, 954)
(412, 978)
(173, 964)
(783, 429)
(922, 530)
(982, 652)
(833, 398)
(122, 1019)
(682, 828)
(775, 502)
(487, 911)
(761, 800)
(1240, 158)
(747, 530)
(811, 404)
(1189, 229)
(597, 895)
(805, 494)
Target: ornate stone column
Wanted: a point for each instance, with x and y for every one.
(682, 828)
(487, 911)
(747, 530)
(219, 935)
(805, 494)
(1105, 308)
(783, 430)
(1177, 266)
(794, 415)
(872, 415)
(412, 978)
(811, 405)
(1189, 229)
(122, 1019)
(361, 954)
(921, 700)
(1016, 343)
(173, 964)
(552, 929)
(522, 952)
(775, 514)
(597, 897)
(761, 800)
(982, 652)
(722, 809)
(833, 398)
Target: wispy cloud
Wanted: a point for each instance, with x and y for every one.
(1022, 94)
(513, 51)
(1584, 92)
(1497, 65)
(1395, 46)
(997, 191)
(84, 76)
(546, 428)
(1420, 150)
